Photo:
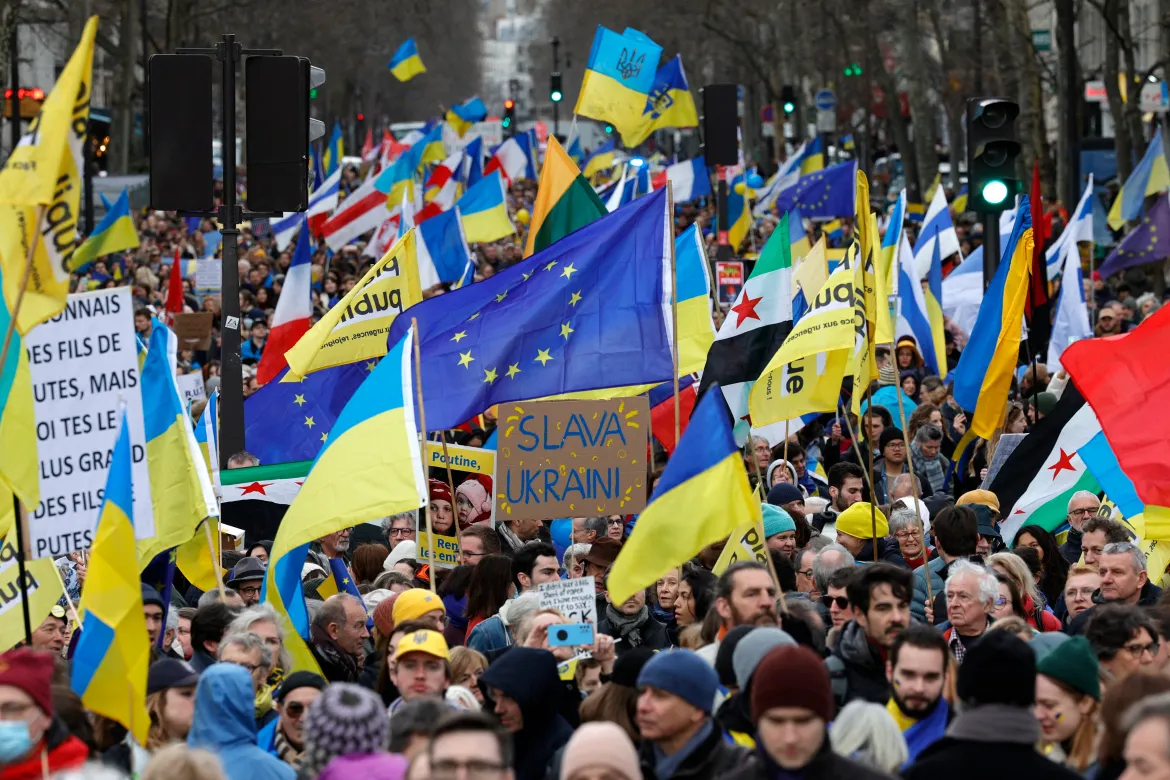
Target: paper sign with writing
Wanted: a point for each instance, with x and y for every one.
(572, 458)
(446, 550)
(474, 459)
(575, 599)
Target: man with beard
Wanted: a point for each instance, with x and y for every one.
(744, 596)
(917, 670)
(879, 595)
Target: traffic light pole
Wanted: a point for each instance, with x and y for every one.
(556, 44)
(723, 248)
(231, 404)
(14, 75)
(990, 246)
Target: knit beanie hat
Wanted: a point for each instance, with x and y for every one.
(151, 596)
(439, 491)
(855, 521)
(887, 375)
(784, 493)
(1043, 644)
(776, 521)
(1075, 664)
(32, 672)
(683, 673)
(601, 745)
(629, 665)
(343, 720)
(384, 614)
(753, 649)
(998, 669)
(414, 603)
(402, 551)
(726, 652)
(887, 436)
(792, 676)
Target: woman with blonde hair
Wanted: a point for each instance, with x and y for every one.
(466, 667)
(179, 762)
(1068, 695)
(1016, 569)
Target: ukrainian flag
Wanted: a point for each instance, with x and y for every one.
(887, 267)
(985, 370)
(797, 238)
(959, 204)
(431, 148)
(1149, 178)
(334, 151)
(180, 487)
(18, 440)
(370, 467)
(600, 160)
(934, 312)
(812, 158)
(114, 233)
(701, 498)
(406, 64)
(670, 104)
(738, 212)
(463, 116)
(111, 660)
(575, 151)
(484, 211)
(207, 436)
(618, 78)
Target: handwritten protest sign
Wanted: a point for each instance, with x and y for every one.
(575, 599)
(572, 458)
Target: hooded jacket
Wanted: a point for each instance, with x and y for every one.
(859, 665)
(825, 765)
(225, 723)
(529, 677)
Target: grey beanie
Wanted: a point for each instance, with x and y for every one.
(752, 649)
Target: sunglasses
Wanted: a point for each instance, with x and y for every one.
(841, 601)
(294, 709)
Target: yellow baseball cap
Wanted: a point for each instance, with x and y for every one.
(414, 603)
(429, 642)
(855, 521)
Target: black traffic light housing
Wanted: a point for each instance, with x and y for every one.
(788, 98)
(555, 93)
(509, 114)
(992, 154)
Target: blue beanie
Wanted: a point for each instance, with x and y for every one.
(784, 493)
(683, 673)
(776, 521)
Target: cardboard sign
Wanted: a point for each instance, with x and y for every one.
(729, 274)
(575, 599)
(193, 330)
(446, 550)
(572, 458)
(474, 459)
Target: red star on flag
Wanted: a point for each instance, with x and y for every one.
(746, 308)
(256, 487)
(1064, 463)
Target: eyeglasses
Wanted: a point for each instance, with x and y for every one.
(294, 709)
(250, 590)
(250, 667)
(1137, 650)
(474, 769)
(1079, 512)
(806, 573)
(1001, 602)
(615, 522)
(401, 532)
(907, 534)
(841, 601)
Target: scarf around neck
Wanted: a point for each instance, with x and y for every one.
(995, 723)
(628, 628)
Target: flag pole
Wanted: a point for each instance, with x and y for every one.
(856, 449)
(673, 312)
(786, 453)
(451, 484)
(422, 437)
(21, 532)
(914, 480)
(872, 490)
(763, 500)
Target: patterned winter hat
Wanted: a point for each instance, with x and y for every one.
(345, 719)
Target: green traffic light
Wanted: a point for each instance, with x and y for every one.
(507, 122)
(556, 96)
(995, 192)
(313, 93)
(789, 107)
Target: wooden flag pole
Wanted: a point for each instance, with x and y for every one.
(673, 312)
(28, 264)
(856, 448)
(450, 484)
(422, 438)
(914, 481)
(872, 491)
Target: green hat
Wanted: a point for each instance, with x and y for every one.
(776, 521)
(1074, 664)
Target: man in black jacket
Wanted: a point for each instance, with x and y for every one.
(522, 688)
(632, 623)
(680, 739)
(879, 597)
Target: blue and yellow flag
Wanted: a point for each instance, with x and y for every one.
(113, 234)
(984, 374)
(601, 159)
(670, 104)
(464, 115)
(812, 156)
(484, 212)
(18, 439)
(111, 660)
(370, 467)
(180, 487)
(702, 497)
(589, 312)
(574, 151)
(739, 213)
(334, 151)
(934, 312)
(406, 64)
(618, 78)
(1150, 177)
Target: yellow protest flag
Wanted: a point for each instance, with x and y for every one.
(195, 560)
(356, 327)
(862, 363)
(746, 543)
(812, 270)
(40, 194)
(43, 585)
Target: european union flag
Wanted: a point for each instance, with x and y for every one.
(286, 422)
(591, 311)
(823, 194)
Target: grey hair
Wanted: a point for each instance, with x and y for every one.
(1130, 549)
(415, 717)
(1079, 495)
(1018, 571)
(172, 620)
(904, 479)
(865, 732)
(928, 432)
(388, 522)
(243, 459)
(988, 584)
(576, 552)
(598, 525)
(333, 610)
(822, 571)
(388, 579)
(248, 641)
(902, 517)
(243, 622)
(212, 596)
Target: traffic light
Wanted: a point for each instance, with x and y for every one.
(852, 69)
(361, 117)
(509, 113)
(788, 98)
(278, 130)
(29, 100)
(992, 151)
(555, 93)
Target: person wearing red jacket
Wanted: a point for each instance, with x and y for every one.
(33, 742)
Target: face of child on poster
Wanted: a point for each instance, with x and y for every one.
(442, 510)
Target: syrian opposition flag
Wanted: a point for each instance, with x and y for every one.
(1037, 480)
(293, 310)
(755, 328)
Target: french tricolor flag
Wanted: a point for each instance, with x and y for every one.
(689, 180)
(293, 310)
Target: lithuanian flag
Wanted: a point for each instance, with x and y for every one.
(564, 201)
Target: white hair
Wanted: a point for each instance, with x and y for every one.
(212, 596)
(867, 733)
(1137, 557)
(243, 622)
(902, 517)
(576, 552)
(462, 698)
(988, 584)
(1079, 495)
(822, 571)
(248, 642)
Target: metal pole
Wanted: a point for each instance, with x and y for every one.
(231, 408)
(723, 249)
(978, 46)
(556, 43)
(145, 57)
(21, 554)
(990, 246)
(14, 68)
(87, 180)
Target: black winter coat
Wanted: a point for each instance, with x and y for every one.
(864, 670)
(825, 765)
(713, 758)
(961, 759)
(529, 677)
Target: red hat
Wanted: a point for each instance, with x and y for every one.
(384, 615)
(32, 672)
(440, 491)
(792, 676)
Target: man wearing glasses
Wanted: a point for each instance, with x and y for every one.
(1081, 507)
(247, 578)
(34, 742)
(399, 528)
(285, 736)
(470, 745)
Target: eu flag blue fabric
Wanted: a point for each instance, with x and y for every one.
(589, 312)
(822, 194)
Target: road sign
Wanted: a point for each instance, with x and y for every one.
(1095, 91)
(827, 121)
(1042, 40)
(1155, 97)
(826, 100)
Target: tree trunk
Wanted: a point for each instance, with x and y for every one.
(1133, 114)
(1111, 70)
(923, 109)
(124, 92)
(1068, 95)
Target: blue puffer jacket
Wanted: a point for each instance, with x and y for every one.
(937, 583)
(225, 724)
